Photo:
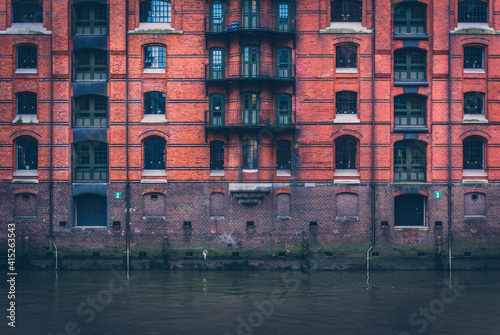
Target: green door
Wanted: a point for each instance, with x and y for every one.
(284, 63)
(250, 112)
(250, 61)
(250, 14)
(283, 17)
(217, 22)
(216, 110)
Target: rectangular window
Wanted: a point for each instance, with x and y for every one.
(474, 103)
(474, 204)
(217, 204)
(347, 56)
(346, 102)
(26, 103)
(154, 103)
(155, 11)
(26, 57)
(473, 11)
(250, 158)
(154, 57)
(474, 57)
(345, 11)
(91, 21)
(91, 65)
(283, 155)
(216, 155)
(91, 111)
(25, 11)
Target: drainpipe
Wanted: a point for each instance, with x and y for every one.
(372, 184)
(450, 236)
(51, 174)
(55, 247)
(127, 185)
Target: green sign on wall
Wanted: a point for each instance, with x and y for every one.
(118, 195)
(437, 195)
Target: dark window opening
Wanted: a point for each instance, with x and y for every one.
(27, 11)
(409, 65)
(409, 161)
(473, 11)
(91, 161)
(155, 11)
(250, 158)
(409, 19)
(284, 62)
(217, 63)
(283, 109)
(346, 102)
(216, 155)
(347, 56)
(154, 103)
(91, 111)
(474, 57)
(91, 65)
(473, 153)
(154, 57)
(345, 11)
(410, 210)
(217, 110)
(409, 110)
(250, 110)
(90, 210)
(345, 153)
(154, 153)
(91, 20)
(250, 15)
(26, 57)
(26, 103)
(474, 103)
(283, 155)
(27, 153)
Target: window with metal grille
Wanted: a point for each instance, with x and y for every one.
(217, 110)
(154, 11)
(409, 19)
(473, 153)
(217, 204)
(409, 110)
(91, 111)
(283, 109)
(154, 103)
(154, 57)
(347, 56)
(473, 11)
(217, 56)
(409, 65)
(216, 155)
(26, 57)
(27, 11)
(26, 103)
(250, 158)
(91, 20)
(474, 103)
(91, 161)
(346, 102)
(217, 23)
(347, 204)
(409, 161)
(27, 153)
(474, 204)
(91, 65)
(345, 152)
(283, 205)
(474, 57)
(345, 11)
(283, 155)
(154, 153)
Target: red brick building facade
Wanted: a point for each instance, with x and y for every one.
(252, 124)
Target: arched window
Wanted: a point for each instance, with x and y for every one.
(154, 103)
(409, 18)
(27, 153)
(345, 11)
(216, 155)
(346, 102)
(409, 161)
(27, 11)
(409, 65)
(474, 103)
(26, 103)
(283, 155)
(154, 153)
(91, 20)
(26, 57)
(409, 110)
(473, 148)
(217, 17)
(91, 111)
(91, 65)
(91, 161)
(346, 56)
(154, 57)
(345, 153)
(155, 11)
(472, 11)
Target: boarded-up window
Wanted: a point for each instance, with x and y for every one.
(347, 204)
(154, 204)
(283, 205)
(475, 204)
(25, 206)
(217, 204)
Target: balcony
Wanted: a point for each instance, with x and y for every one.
(238, 70)
(250, 118)
(239, 22)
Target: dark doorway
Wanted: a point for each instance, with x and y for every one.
(409, 210)
(90, 210)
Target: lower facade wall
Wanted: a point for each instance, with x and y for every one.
(313, 221)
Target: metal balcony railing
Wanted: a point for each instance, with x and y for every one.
(250, 71)
(238, 21)
(251, 118)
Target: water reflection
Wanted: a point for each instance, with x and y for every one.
(223, 303)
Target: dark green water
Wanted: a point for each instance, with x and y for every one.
(223, 303)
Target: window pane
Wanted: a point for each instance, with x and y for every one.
(154, 153)
(216, 155)
(346, 102)
(26, 103)
(345, 153)
(27, 11)
(250, 154)
(154, 57)
(345, 11)
(474, 153)
(26, 57)
(347, 56)
(474, 57)
(474, 103)
(473, 11)
(154, 103)
(27, 153)
(154, 11)
(283, 155)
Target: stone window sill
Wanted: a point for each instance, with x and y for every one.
(25, 118)
(345, 27)
(153, 181)
(25, 181)
(25, 173)
(346, 70)
(159, 70)
(411, 227)
(346, 173)
(346, 118)
(217, 218)
(28, 28)
(283, 173)
(475, 217)
(474, 118)
(250, 170)
(153, 218)
(155, 28)
(474, 71)
(89, 227)
(216, 173)
(472, 25)
(347, 218)
(26, 71)
(24, 217)
(283, 218)
(154, 173)
(474, 173)
(154, 118)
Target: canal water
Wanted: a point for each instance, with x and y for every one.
(250, 302)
